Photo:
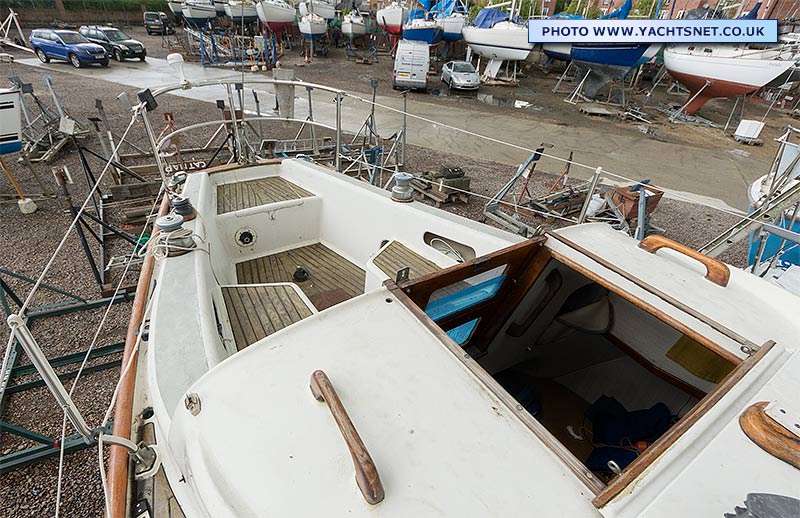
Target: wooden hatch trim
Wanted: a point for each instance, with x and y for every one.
(769, 435)
(643, 461)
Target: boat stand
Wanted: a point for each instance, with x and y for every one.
(568, 75)
(6, 36)
(110, 354)
(765, 219)
(576, 95)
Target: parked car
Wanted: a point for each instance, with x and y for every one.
(461, 75)
(115, 41)
(411, 63)
(67, 45)
(158, 23)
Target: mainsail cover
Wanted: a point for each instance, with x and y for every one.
(488, 17)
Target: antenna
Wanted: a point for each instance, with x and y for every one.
(175, 60)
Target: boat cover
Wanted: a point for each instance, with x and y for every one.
(620, 13)
(488, 17)
(416, 14)
(566, 16)
(448, 7)
(753, 14)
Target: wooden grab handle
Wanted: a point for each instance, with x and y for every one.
(716, 271)
(367, 478)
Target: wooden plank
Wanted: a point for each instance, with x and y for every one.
(259, 311)
(328, 271)
(397, 256)
(253, 193)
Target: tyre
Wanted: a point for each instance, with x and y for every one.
(141, 58)
(117, 55)
(149, 33)
(104, 63)
(75, 60)
(42, 56)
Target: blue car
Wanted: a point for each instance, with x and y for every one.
(68, 46)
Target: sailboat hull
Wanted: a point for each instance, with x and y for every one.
(353, 27)
(451, 26)
(505, 41)
(198, 14)
(391, 19)
(312, 29)
(241, 12)
(711, 77)
(430, 35)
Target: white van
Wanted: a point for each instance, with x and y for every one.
(411, 64)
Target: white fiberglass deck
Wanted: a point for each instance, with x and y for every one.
(441, 448)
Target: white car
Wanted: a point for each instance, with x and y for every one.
(461, 75)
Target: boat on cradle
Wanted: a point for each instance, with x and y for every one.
(241, 11)
(407, 332)
(391, 18)
(312, 26)
(319, 7)
(353, 24)
(418, 28)
(494, 36)
(277, 15)
(602, 64)
(560, 51)
(175, 8)
(720, 70)
(198, 12)
(219, 7)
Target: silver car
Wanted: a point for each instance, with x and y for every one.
(461, 75)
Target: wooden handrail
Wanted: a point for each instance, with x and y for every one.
(367, 478)
(119, 460)
(716, 271)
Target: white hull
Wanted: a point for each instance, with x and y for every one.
(318, 7)
(751, 68)
(353, 25)
(392, 18)
(219, 6)
(275, 11)
(312, 26)
(238, 11)
(175, 8)
(452, 24)
(198, 13)
(504, 41)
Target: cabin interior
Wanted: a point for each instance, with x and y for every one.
(602, 375)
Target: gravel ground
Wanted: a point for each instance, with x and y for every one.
(26, 243)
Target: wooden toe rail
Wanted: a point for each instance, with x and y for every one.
(367, 478)
(716, 271)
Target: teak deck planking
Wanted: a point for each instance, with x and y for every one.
(259, 311)
(397, 256)
(327, 270)
(243, 195)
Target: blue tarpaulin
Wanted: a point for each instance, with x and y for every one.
(489, 17)
(448, 7)
(416, 14)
